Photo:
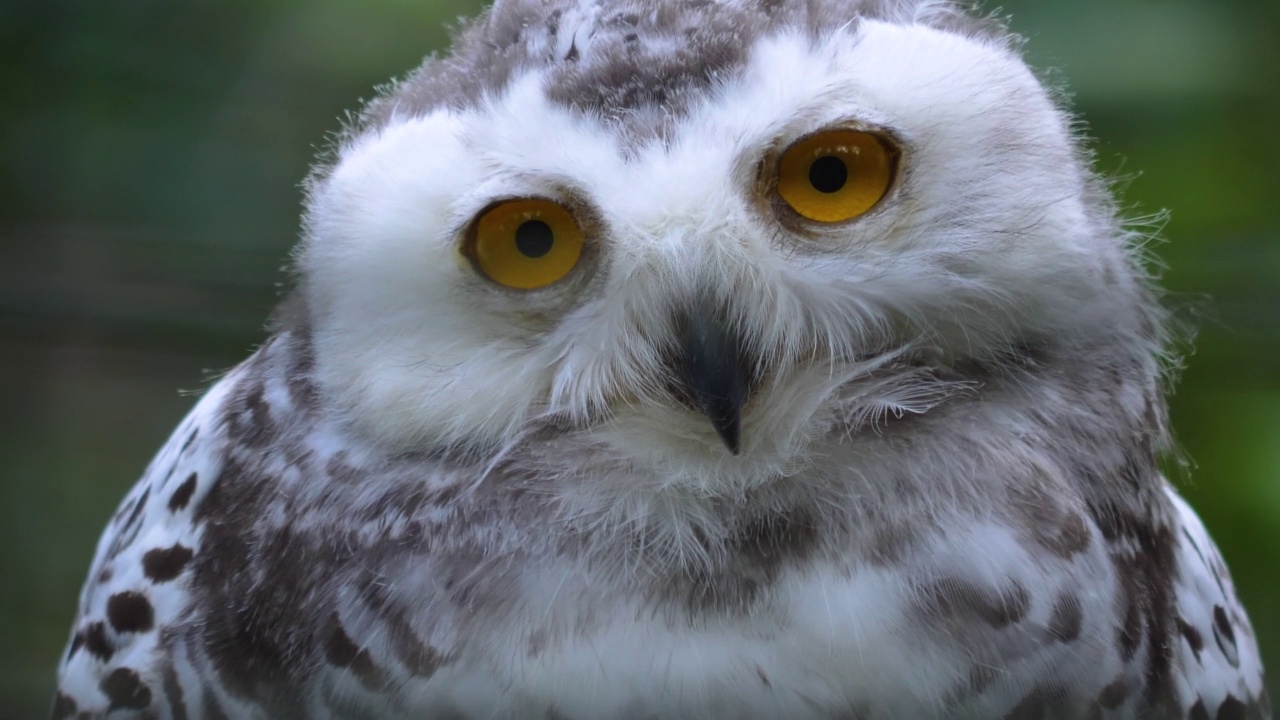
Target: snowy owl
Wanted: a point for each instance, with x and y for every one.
(685, 359)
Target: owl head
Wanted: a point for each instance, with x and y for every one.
(721, 239)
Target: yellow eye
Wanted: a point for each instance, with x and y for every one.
(526, 244)
(836, 175)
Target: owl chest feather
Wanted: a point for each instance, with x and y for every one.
(968, 626)
(228, 583)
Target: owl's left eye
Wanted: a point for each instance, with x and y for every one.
(525, 244)
(836, 175)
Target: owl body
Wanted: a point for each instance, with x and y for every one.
(702, 438)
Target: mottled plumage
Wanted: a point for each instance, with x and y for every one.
(735, 463)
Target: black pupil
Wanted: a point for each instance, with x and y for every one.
(828, 174)
(534, 238)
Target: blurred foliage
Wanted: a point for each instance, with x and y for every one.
(149, 194)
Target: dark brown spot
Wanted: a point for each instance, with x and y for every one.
(979, 678)
(95, 641)
(1114, 694)
(1192, 636)
(420, 658)
(1232, 709)
(249, 420)
(183, 494)
(1037, 703)
(890, 545)
(342, 652)
(754, 557)
(763, 678)
(252, 652)
(190, 439)
(339, 470)
(130, 612)
(1198, 712)
(1129, 634)
(1144, 560)
(125, 689)
(212, 708)
(955, 597)
(77, 642)
(140, 505)
(1225, 636)
(1071, 537)
(554, 713)
(1047, 518)
(63, 707)
(173, 693)
(106, 575)
(301, 369)
(1065, 623)
(165, 564)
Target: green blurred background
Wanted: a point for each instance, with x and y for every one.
(150, 190)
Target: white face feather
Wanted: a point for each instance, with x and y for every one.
(986, 234)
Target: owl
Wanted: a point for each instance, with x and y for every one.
(685, 359)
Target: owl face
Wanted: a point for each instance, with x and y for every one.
(834, 229)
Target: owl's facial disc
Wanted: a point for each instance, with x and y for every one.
(715, 371)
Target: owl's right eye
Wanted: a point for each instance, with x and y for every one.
(525, 244)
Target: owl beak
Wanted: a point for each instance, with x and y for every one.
(715, 373)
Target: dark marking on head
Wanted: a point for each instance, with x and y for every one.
(955, 598)
(635, 68)
(165, 564)
(1064, 624)
(125, 690)
(183, 494)
(96, 642)
(130, 611)
(173, 692)
(763, 678)
(1198, 712)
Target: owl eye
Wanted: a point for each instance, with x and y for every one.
(836, 175)
(525, 244)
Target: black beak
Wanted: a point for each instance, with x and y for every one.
(715, 372)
